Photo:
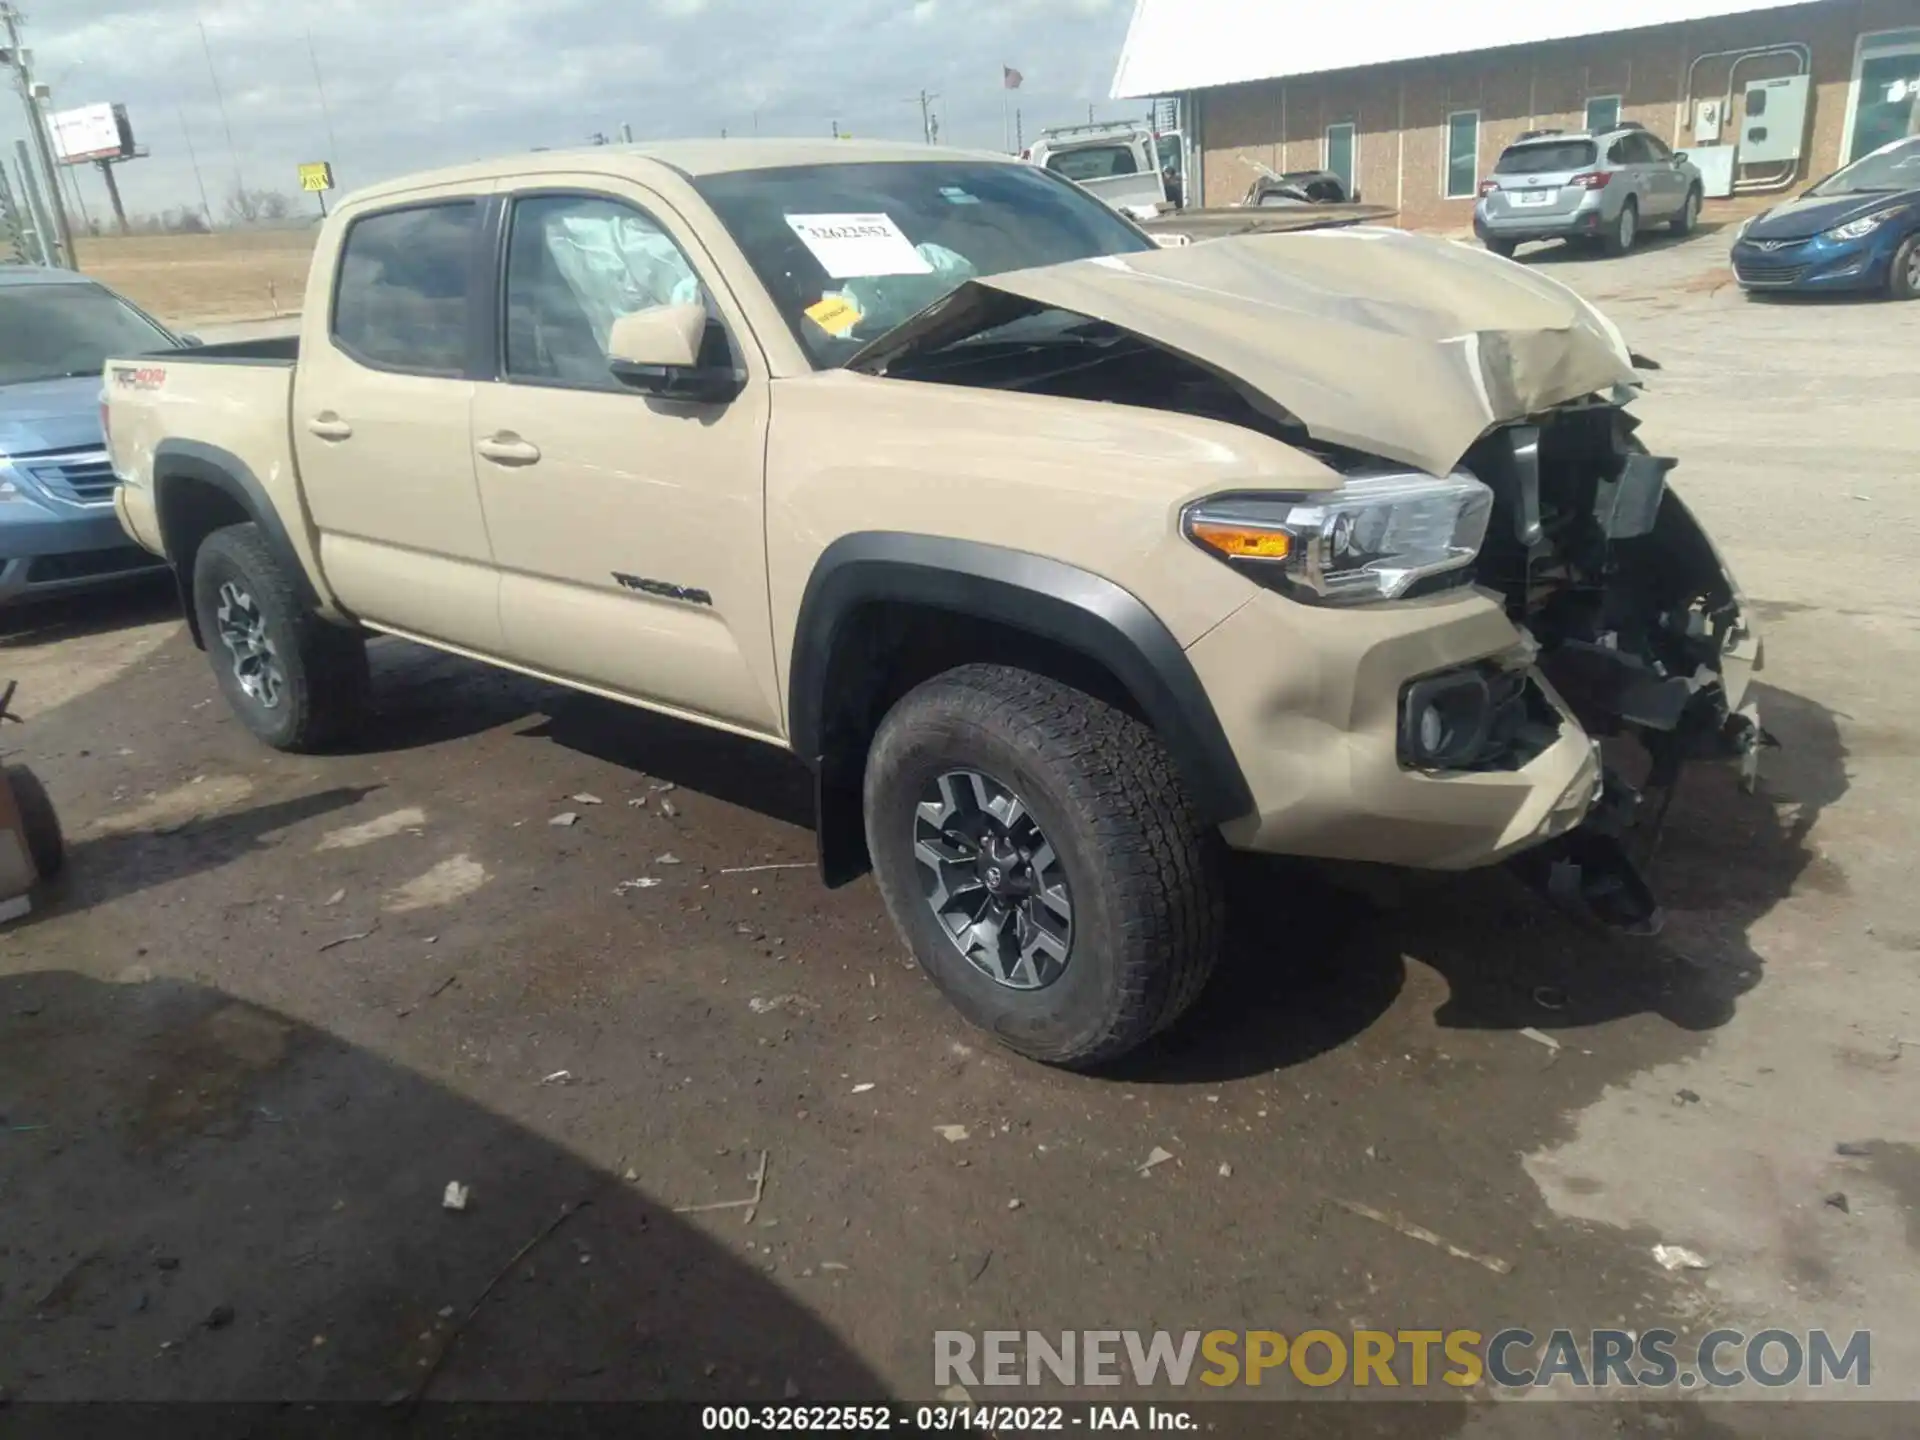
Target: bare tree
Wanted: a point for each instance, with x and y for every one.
(243, 206)
(274, 206)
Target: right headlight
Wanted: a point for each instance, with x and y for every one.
(1373, 538)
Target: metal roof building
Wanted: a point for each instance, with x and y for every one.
(1412, 102)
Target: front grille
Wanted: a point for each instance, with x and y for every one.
(1768, 270)
(81, 477)
(86, 564)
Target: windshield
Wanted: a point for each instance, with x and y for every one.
(48, 332)
(849, 251)
(1891, 167)
(1540, 159)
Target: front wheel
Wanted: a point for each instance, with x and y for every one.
(1040, 856)
(1903, 277)
(1624, 230)
(296, 681)
(1689, 216)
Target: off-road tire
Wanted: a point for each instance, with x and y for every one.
(46, 846)
(1689, 216)
(1903, 275)
(1503, 248)
(324, 666)
(1612, 241)
(1145, 873)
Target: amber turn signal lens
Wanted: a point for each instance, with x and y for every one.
(1242, 542)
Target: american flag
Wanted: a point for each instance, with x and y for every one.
(1010, 78)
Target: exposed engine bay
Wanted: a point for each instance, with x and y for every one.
(1629, 613)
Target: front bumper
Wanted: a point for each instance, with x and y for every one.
(45, 553)
(1317, 735)
(1814, 265)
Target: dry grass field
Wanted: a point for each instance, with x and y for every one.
(193, 279)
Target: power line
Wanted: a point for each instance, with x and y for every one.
(319, 85)
(233, 151)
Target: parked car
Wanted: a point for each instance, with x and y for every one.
(58, 533)
(1607, 186)
(1858, 229)
(1065, 561)
(1120, 161)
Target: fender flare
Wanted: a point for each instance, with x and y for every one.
(226, 472)
(1046, 598)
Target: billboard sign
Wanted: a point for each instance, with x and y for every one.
(92, 132)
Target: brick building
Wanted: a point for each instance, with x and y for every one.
(1412, 102)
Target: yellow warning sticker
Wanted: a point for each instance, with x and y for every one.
(834, 314)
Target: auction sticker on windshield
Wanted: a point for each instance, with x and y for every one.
(851, 246)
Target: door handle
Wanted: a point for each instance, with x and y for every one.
(508, 449)
(329, 426)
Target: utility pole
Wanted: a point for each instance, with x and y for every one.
(233, 152)
(929, 127)
(21, 62)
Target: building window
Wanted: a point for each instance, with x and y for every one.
(1462, 175)
(1603, 113)
(1340, 156)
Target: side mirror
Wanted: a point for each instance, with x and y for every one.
(192, 342)
(657, 352)
(1679, 157)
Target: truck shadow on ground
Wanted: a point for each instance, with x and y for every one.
(143, 601)
(106, 867)
(211, 1201)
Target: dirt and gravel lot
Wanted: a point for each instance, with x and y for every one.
(281, 1002)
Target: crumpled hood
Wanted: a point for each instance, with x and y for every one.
(1807, 216)
(1394, 344)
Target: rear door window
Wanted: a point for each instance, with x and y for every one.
(1547, 157)
(405, 287)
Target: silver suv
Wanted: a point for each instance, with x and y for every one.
(1580, 185)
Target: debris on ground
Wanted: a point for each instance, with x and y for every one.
(453, 1331)
(831, 1265)
(1838, 1200)
(1540, 1037)
(583, 798)
(1157, 1156)
(1422, 1234)
(336, 897)
(751, 1204)
(1678, 1257)
(667, 809)
(1013, 1204)
(565, 818)
(667, 859)
(451, 979)
(1853, 1148)
(637, 801)
(349, 939)
(219, 1317)
(1226, 1171)
(639, 882)
(665, 787)
(1686, 1097)
(455, 1196)
(863, 1087)
(558, 1077)
(952, 1134)
(757, 869)
(792, 1004)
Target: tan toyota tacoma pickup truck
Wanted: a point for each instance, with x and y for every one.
(1065, 560)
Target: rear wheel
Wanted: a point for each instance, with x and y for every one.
(296, 681)
(1903, 277)
(1040, 856)
(1689, 216)
(38, 820)
(1624, 230)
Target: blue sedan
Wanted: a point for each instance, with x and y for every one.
(1857, 230)
(58, 531)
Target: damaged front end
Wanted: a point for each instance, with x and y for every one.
(1638, 627)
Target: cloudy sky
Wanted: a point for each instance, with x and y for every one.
(416, 83)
